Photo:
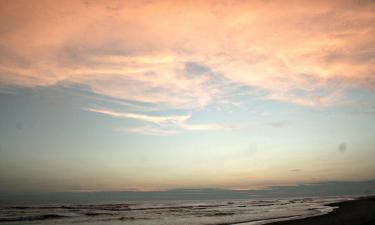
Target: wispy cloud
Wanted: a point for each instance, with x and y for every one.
(164, 125)
(153, 119)
(148, 130)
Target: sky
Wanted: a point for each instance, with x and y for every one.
(156, 95)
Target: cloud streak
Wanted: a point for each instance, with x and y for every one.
(153, 119)
(164, 125)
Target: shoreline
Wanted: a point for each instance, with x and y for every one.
(360, 211)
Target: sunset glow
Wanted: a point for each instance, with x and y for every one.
(155, 95)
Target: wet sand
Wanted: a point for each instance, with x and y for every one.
(356, 212)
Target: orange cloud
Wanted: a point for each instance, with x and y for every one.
(137, 50)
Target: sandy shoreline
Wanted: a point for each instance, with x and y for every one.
(355, 212)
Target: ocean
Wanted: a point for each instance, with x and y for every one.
(167, 212)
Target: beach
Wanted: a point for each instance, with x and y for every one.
(355, 212)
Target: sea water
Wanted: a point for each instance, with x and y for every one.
(168, 212)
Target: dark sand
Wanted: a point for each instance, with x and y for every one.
(355, 212)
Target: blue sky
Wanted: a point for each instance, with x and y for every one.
(50, 141)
